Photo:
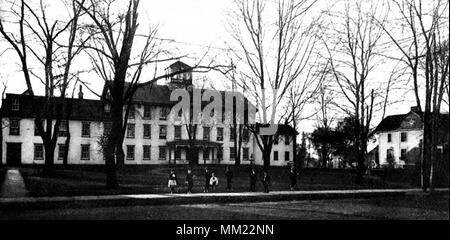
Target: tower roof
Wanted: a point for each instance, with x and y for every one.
(179, 65)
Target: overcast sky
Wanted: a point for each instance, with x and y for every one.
(194, 25)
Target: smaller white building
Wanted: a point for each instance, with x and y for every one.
(400, 138)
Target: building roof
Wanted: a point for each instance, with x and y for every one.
(283, 129)
(390, 123)
(179, 65)
(81, 109)
(152, 93)
(412, 120)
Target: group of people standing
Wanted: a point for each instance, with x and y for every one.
(265, 181)
(211, 180)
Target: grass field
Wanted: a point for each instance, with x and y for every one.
(153, 179)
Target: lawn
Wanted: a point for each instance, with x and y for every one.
(82, 180)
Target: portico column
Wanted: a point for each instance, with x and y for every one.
(169, 155)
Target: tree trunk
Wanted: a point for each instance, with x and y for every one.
(426, 151)
(120, 155)
(112, 142)
(237, 145)
(294, 148)
(266, 158)
(360, 169)
(324, 156)
(49, 157)
(110, 166)
(67, 144)
(434, 152)
(1, 135)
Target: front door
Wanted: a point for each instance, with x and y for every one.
(192, 155)
(13, 154)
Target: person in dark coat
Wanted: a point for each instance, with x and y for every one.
(229, 175)
(293, 178)
(207, 178)
(266, 181)
(172, 181)
(253, 180)
(189, 180)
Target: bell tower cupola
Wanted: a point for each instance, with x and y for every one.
(182, 75)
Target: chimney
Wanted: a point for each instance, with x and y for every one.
(415, 109)
(80, 93)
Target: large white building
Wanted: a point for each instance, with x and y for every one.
(150, 138)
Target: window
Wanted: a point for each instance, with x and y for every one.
(147, 112)
(38, 151)
(206, 154)
(245, 153)
(131, 112)
(147, 152)
(85, 129)
(107, 127)
(36, 130)
(219, 134)
(232, 153)
(15, 104)
(130, 152)
(107, 108)
(163, 113)
(162, 131)
(147, 131)
(130, 130)
(206, 133)
(275, 155)
(61, 151)
(389, 153)
(286, 139)
(177, 132)
(232, 134)
(85, 151)
(63, 129)
(275, 140)
(14, 127)
(162, 153)
(403, 137)
(245, 135)
(286, 156)
(177, 153)
(403, 154)
(389, 138)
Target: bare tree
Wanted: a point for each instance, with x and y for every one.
(302, 93)
(352, 41)
(272, 53)
(55, 52)
(325, 102)
(424, 50)
(238, 128)
(1, 122)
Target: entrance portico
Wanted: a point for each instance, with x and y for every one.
(209, 151)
